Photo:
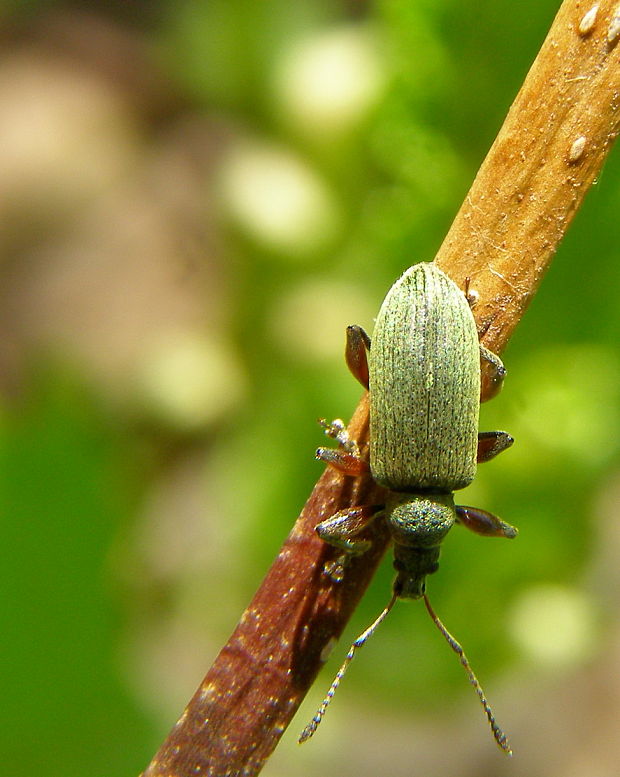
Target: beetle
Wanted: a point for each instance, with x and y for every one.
(426, 373)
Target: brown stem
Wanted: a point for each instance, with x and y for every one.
(547, 154)
(550, 149)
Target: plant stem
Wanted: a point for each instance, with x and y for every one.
(546, 156)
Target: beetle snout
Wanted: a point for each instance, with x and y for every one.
(407, 587)
(413, 565)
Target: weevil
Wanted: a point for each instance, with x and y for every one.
(426, 373)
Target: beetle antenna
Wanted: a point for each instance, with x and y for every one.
(499, 735)
(358, 643)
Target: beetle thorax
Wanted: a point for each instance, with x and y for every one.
(418, 523)
(420, 520)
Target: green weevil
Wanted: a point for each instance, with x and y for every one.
(426, 373)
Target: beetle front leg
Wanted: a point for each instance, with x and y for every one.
(492, 374)
(484, 523)
(492, 443)
(344, 526)
(358, 343)
(341, 531)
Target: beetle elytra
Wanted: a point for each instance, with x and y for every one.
(427, 374)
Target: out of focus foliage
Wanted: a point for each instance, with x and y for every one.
(195, 199)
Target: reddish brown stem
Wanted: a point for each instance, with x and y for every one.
(247, 699)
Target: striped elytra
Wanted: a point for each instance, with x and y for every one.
(424, 367)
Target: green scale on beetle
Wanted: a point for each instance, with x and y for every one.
(426, 373)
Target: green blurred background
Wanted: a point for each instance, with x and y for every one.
(195, 199)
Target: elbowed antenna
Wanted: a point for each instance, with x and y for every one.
(499, 735)
(358, 643)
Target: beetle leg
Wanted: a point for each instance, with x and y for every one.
(340, 531)
(471, 295)
(482, 522)
(337, 430)
(348, 459)
(492, 443)
(358, 343)
(492, 374)
(343, 527)
(344, 462)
